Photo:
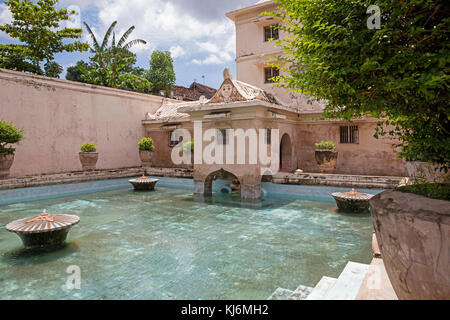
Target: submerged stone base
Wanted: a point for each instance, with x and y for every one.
(44, 239)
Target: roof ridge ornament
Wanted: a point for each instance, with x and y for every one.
(227, 74)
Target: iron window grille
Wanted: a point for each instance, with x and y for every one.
(349, 134)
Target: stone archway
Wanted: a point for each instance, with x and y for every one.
(219, 174)
(250, 184)
(285, 153)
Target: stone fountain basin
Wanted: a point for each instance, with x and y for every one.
(143, 184)
(358, 202)
(43, 233)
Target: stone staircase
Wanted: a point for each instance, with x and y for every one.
(345, 287)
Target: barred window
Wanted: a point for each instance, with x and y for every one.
(349, 134)
(270, 73)
(222, 136)
(271, 32)
(174, 139)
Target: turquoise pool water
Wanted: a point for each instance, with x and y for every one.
(165, 245)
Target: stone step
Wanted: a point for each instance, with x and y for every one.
(376, 284)
(321, 289)
(301, 293)
(348, 283)
(281, 294)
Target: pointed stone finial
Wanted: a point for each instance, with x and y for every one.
(227, 74)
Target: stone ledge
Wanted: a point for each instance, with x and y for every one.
(314, 179)
(85, 176)
(169, 172)
(68, 177)
(340, 180)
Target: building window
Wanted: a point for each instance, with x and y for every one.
(174, 139)
(349, 134)
(222, 136)
(270, 73)
(271, 32)
(268, 136)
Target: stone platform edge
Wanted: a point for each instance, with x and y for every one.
(85, 176)
(317, 179)
(340, 180)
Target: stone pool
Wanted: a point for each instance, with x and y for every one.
(165, 245)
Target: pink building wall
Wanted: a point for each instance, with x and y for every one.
(58, 116)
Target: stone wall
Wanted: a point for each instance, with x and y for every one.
(58, 116)
(377, 157)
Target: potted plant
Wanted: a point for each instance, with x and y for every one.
(88, 156)
(188, 149)
(9, 134)
(326, 156)
(146, 148)
(412, 226)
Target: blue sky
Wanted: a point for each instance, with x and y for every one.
(200, 37)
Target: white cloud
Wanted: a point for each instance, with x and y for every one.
(5, 17)
(177, 52)
(5, 14)
(166, 24)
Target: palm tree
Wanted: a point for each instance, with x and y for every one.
(110, 56)
(101, 50)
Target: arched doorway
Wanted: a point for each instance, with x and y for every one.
(285, 153)
(224, 175)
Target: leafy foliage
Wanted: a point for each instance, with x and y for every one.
(88, 147)
(146, 144)
(431, 190)
(399, 73)
(36, 25)
(52, 69)
(130, 81)
(9, 134)
(74, 73)
(326, 145)
(112, 66)
(161, 73)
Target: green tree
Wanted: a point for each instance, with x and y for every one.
(161, 73)
(74, 73)
(398, 73)
(52, 69)
(36, 25)
(109, 62)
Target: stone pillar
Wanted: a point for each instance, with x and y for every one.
(251, 191)
(250, 187)
(202, 187)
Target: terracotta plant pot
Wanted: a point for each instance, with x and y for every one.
(6, 161)
(413, 235)
(146, 157)
(425, 172)
(326, 159)
(88, 160)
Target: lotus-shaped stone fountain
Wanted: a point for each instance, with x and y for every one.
(44, 229)
(352, 201)
(144, 183)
